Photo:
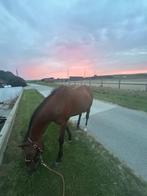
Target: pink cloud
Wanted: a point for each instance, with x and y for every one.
(74, 69)
(124, 71)
(70, 59)
(72, 52)
(42, 71)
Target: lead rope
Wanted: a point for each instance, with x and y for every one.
(57, 173)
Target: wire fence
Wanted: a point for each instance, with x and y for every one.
(118, 84)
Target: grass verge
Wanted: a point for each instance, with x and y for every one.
(88, 169)
(127, 98)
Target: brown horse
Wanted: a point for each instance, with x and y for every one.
(58, 107)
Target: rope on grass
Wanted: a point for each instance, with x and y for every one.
(57, 173)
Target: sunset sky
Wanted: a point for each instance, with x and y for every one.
(61, 38)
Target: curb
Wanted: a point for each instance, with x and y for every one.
(7, 128)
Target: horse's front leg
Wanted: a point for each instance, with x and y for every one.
(61, 142)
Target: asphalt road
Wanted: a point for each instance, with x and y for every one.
(122, 131)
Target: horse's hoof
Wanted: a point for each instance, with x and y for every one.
(56, 164)
(85, 129)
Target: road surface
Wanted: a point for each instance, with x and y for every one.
(122, 131)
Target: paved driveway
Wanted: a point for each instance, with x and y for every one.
(122, 131)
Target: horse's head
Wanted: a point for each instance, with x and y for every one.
(32, 153)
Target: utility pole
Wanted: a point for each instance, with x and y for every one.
(68, 75)
(17, 73)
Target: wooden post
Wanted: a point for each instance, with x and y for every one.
(146, 87)
(101, 82)
(119, 81)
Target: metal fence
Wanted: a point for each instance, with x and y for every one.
(140, 85)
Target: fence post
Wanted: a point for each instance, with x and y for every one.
(102, 82)
(146, 87)
(119, 81)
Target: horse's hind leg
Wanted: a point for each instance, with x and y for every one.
(69, 133)
(87, 117)
(61, 142)
(78, 123)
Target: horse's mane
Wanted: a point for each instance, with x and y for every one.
(53, 92)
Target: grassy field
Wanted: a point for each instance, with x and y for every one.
(127, 98)
(88, 169)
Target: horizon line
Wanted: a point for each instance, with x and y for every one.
(95, 75)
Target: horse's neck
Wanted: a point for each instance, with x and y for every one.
(36, 131)
(39, 121)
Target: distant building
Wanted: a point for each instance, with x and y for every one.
(62, 79)
(74, 78)
(48, 79)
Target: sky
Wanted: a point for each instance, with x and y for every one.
(61, 38)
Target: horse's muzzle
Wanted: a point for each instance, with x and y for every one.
(32, 164)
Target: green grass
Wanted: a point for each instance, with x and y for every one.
(88, 169)
(127, 98)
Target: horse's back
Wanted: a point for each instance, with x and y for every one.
(85, 92)
(81, 98)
